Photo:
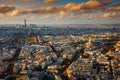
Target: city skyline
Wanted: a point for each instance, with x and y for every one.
(60, 11)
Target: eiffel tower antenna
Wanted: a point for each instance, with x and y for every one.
(25, 25)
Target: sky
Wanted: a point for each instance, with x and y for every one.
(60, 11)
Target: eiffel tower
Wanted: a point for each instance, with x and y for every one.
(26, 31)
(25, 25)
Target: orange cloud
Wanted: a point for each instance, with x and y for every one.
(62, 11)
(27, 0)
(11, 0)
(90, 5)
(15, 13)
(106, 15)
(5, 9)
(50, 1)
(113, 8)
(109, 15)
(20, 12)
(1, 15)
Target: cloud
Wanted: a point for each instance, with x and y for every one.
(50, 1)
(5, 9)
(70, 8)
(1, 15)
(20, 12)
(105, 15)
(27, 0)
(21, 0)
(62, 11)
(113, 8)
(11, 0)
(90, 5)
(47, 16)
(90, 16)
(109, 15)
(15, 13)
